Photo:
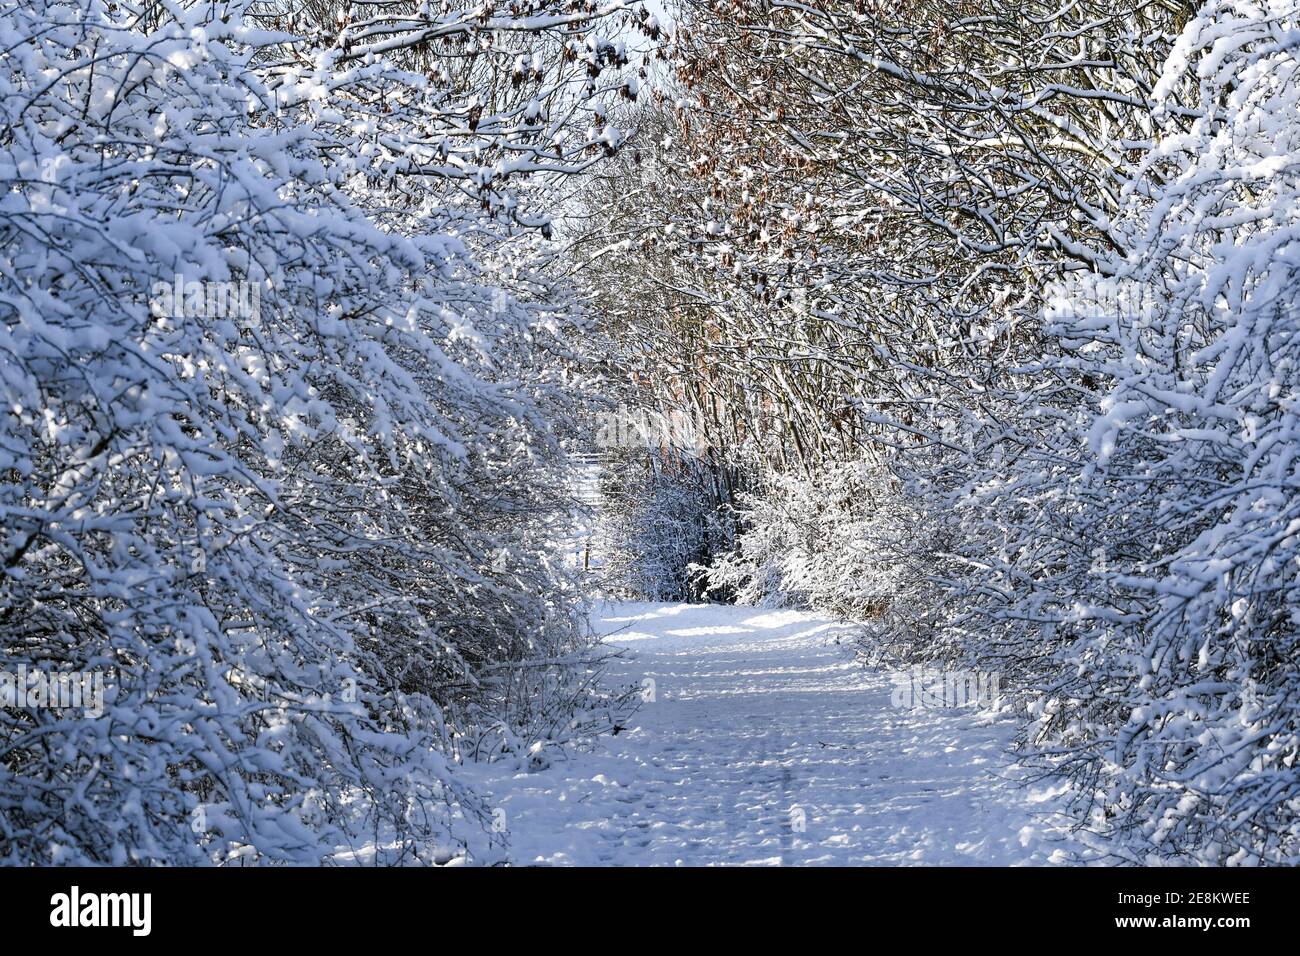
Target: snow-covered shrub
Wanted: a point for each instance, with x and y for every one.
(829, 541)
(300, 534)
(1192, 459)
(662, 517)
(1140, 539)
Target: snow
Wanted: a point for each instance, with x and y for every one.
(307, 354)
(757, 715)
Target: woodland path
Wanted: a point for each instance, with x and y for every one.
(766, 743)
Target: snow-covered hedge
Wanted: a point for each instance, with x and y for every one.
(276, 450)
(1177, 704)
(830, 541)
(662, 517)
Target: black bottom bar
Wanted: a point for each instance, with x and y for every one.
(334, 907)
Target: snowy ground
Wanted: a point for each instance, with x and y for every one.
(760, 719)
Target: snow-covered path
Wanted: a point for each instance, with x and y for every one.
(766, 744)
